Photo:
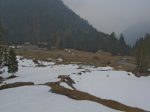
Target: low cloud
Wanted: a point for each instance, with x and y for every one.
(111, 15)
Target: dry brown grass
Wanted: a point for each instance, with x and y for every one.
(87, 58)
(79, 95)
(16, 84)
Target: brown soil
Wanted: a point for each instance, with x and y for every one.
(67, 80)
(79, 95)
(63, 78)
(16, 84)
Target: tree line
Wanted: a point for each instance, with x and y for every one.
(108, 43)
(7, 56)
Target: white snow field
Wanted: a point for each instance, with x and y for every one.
(38, 99)
(103, 82)
(116, 85)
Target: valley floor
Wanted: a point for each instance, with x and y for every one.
(126, 63)
(102, 82)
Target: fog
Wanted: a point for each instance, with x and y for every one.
(112, 15)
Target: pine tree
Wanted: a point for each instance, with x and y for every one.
(12, 62)
(5, 56)
(123, 47)
(1, 48)
(1, 56)
(113, 43)
(121, 40)
(1, 33)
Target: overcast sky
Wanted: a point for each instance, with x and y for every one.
(111, 15)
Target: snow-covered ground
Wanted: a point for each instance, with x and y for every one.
(103, 82)
(116, 85)
(30, 72)
(38, 99)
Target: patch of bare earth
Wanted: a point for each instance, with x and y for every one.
(75, 94)
(86, 58)
(79, 95)
(16, 84)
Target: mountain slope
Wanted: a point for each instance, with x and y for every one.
(37, 19)
(52, 22)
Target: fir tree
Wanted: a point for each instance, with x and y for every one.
(1, 56)
(1, 33)
(12, 62)
(1, 48)
(121, 40)
(113, 44)
(123, 47)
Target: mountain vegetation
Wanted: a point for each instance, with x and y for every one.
(53, 22)
(12, 62)
(7, 56)
(1, 33)
(142, 53)
(1, 48)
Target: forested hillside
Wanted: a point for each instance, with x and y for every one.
(52, 22)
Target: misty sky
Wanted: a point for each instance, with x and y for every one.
(112, 15)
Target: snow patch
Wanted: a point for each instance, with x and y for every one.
(38, 99)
